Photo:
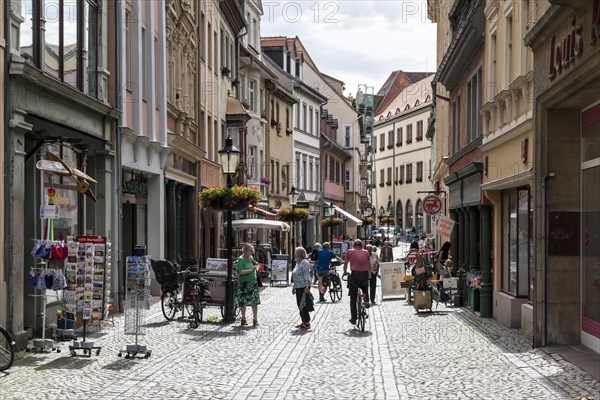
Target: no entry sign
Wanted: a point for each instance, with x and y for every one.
(432, 205)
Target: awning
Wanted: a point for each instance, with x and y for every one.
(347, 214)
(260, 211)
(240, 224)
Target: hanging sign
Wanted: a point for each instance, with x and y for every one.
(432, 205)
(444, 226)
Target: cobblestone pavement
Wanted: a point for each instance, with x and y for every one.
(450, 353)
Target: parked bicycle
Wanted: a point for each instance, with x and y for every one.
(332, 282)
(361, 310)
(7, 352)
(181, 292)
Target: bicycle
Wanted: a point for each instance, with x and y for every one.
(361, 310)
(332, 282)
(7, 352)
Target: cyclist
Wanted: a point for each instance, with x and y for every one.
(360, 266)
(324, 257)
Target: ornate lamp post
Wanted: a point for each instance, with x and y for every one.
(293, 196)
(229, 156)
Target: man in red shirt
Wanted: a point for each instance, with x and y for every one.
(360, 266)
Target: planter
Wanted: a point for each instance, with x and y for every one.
(219, 205)
(331, 221)
(286, 214)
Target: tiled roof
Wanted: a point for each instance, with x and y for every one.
(417, 76)
(273, 41)
(417, 95)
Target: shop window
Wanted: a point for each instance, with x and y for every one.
(516, 242)
(399, 214)
(419, 215)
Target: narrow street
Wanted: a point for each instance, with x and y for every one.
(450, 353)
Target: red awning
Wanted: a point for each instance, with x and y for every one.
(268, 215)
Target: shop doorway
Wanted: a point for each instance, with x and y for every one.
(590, 226)
(134, 227)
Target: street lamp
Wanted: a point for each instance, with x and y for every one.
(293, 196)
(229, 156)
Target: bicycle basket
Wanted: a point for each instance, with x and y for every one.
(165, 272)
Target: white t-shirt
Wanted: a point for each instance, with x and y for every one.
(374, 260)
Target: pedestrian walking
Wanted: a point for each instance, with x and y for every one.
(301, 279)
(247, 293)
(374, 258)
(314, 257)
(360, 266)
(387, 253)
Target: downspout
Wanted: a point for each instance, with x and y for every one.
(8, 262)
(118, 176)
(201, 248)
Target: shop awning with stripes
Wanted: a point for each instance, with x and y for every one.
(268, 215)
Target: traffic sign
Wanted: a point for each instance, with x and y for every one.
(432, 205)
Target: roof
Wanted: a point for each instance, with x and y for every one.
(273, 41)
(415, 96)
(396, 82)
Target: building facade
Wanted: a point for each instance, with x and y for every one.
(58, 102)
(507, 147)
(3, 78)
(565, 43)
(402, 158)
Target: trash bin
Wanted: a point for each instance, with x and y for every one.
(474, 299)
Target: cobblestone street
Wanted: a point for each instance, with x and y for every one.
(450, 353)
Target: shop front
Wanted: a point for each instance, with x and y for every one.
(566, 47)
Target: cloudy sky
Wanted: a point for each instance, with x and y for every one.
(357, 41)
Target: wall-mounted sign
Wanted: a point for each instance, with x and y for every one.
(563, 233)
(432, 205)
(135, 184)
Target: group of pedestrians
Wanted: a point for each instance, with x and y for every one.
(362, 263)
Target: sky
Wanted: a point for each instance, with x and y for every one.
(357, 41)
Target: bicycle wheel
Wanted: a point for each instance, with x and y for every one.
(197, 312)
(7, 353)
(332, 291)
(168, 303)
(360, 321)
(339, 291)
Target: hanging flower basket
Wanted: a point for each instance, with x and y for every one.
(266, 180)
(235, 198)
(368, 221)
(289, 215)
(331, 221)
(386, 220)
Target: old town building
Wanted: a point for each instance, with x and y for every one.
(3, 124)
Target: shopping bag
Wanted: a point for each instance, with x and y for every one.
(307, 303)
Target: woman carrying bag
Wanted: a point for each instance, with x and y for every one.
(301, 280)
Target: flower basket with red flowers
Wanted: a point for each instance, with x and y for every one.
(289, 215)
(235, 198)
(331, 221)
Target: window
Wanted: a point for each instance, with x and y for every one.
(252, 162)
(317, 177)
(304, 121)
(374, 144)
(304, 175)
(420, 171)
(409, 134)
(278, 185)
(310, 120)
(409, 214)
(419, 131)
(287, 118)
(516, 241)
(128, 54)
(508, 65)
(325, 166)
(347, 142)
(389, 177)
(272, 109)
(347, 180)
(373, 178)
(145, 65)
(252, 94)
(390, 139)
(493, 68)
(277, 112)
(401, 177)
(338, 172)
(396, 172)
(409, 172)
(158, 74)
(399, 214)
(310, 176)
(419, 215)
(381, 177)
(382, 142)
(456, 125)
(70, 34)
(272, 176)
(399, 137)
(473, 106)
(331, 169)
(297, 110)
(317, 120)
(297, 172)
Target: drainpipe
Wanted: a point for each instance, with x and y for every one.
(118, 176)
(8, 262)
(544, 280)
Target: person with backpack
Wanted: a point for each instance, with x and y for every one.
(324, 257)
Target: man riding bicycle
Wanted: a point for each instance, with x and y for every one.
(324, 257)
(360, 266)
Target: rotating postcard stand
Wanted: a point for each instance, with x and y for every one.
(42, 344)
(137, 302)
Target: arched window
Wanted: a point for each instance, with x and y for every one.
(409, 214)
(419, 209)
(399, 214)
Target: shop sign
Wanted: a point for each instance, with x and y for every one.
(135, 187)
(392, 275)
(444, 226)
(564, 52)
(432, 205)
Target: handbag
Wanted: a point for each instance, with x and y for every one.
(308, 302)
